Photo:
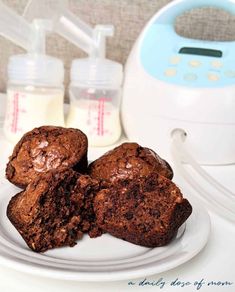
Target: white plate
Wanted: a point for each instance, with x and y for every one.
(102, 259)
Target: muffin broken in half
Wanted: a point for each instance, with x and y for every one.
(55, 210)
(145, 211)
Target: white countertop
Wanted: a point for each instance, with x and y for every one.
(215, 263)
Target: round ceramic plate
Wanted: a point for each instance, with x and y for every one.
(102, 259)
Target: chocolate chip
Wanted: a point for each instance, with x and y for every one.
(128, 215)
(154, 213)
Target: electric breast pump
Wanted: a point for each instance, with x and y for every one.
(179, 94)
(174, 82)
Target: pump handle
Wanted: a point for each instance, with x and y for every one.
(170, 12)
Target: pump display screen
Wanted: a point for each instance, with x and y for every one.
(201, 52)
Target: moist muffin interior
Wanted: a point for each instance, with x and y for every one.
(54, 211)
(147, 211)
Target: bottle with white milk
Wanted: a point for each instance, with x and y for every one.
(95, 88)
(35, 89)
(35, 94)
(95, 95)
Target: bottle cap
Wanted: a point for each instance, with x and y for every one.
(96, 72)
(35, 69)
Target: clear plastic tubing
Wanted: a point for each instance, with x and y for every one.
(95, 95)
(222, 200)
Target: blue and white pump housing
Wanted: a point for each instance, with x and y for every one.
(173, 82)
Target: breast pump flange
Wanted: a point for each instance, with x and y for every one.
(35, 91)
(165, 90)
(95, 82)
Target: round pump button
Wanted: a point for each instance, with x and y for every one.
(190, 77)
(175, 60)
(213, 77)
(217, 64)
(171, 72)
(195, 63)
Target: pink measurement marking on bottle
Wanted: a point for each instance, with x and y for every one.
(106, 98)
(14, 125)
(100, 126)
(88, 121)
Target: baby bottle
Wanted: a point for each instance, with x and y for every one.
(35, 80)
(35, 94)
(95, 86)
(95, 94)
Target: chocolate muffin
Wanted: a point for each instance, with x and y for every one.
(129, 161)
(145, 211)
(45, 149)
(54, 210)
